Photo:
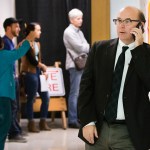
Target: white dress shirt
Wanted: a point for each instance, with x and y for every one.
(120, 109)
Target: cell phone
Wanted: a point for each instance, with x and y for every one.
(138, 26)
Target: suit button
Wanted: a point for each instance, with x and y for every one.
(107, 96)
(101, 113)
(135, 57)
(124, 97)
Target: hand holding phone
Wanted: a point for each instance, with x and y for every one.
(139, 26)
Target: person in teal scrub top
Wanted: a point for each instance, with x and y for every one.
(7, 85)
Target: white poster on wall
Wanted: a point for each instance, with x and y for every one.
(54, 84)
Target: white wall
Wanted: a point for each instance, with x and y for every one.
(143, 6)
(7, 9)
(116, 5)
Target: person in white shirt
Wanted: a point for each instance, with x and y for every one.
(113, 103)
(76, 45)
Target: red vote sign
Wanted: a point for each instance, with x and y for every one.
(55, 82)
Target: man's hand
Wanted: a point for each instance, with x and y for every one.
(89, 132)
(137, 32)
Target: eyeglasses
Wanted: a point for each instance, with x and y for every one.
(127, 21)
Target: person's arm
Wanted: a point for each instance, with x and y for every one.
(41, 65)
(31, 58)
(141, 59)
(86, 104)
(75, 43)
(89, 132)
(34, 62)
(10, 56)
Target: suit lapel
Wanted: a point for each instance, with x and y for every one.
(129, 72)
(111, 53)
(110, 56)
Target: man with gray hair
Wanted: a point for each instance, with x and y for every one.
(76, 45)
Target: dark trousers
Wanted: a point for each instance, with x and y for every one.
(15, 128)
(5, 119)
(112, 137)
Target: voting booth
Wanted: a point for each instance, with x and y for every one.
(54, 84)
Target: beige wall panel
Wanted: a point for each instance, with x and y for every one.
(100, 17)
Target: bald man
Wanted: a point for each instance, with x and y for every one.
(113, 103)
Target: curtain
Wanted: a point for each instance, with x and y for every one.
(53, 17)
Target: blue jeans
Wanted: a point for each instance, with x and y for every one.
(15, 128)
(32, 86)
(75, 77)
(5, 119)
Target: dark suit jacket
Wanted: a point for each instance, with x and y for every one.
(95, 89)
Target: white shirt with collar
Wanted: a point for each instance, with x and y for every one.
(128, 56)
(120, 109)
(75, 43)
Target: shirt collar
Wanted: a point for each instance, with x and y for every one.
(131, 46)
(75, 28)
(5, 36)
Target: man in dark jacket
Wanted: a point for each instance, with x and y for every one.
(113, 104)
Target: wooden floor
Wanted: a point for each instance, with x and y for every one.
(56, 139)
